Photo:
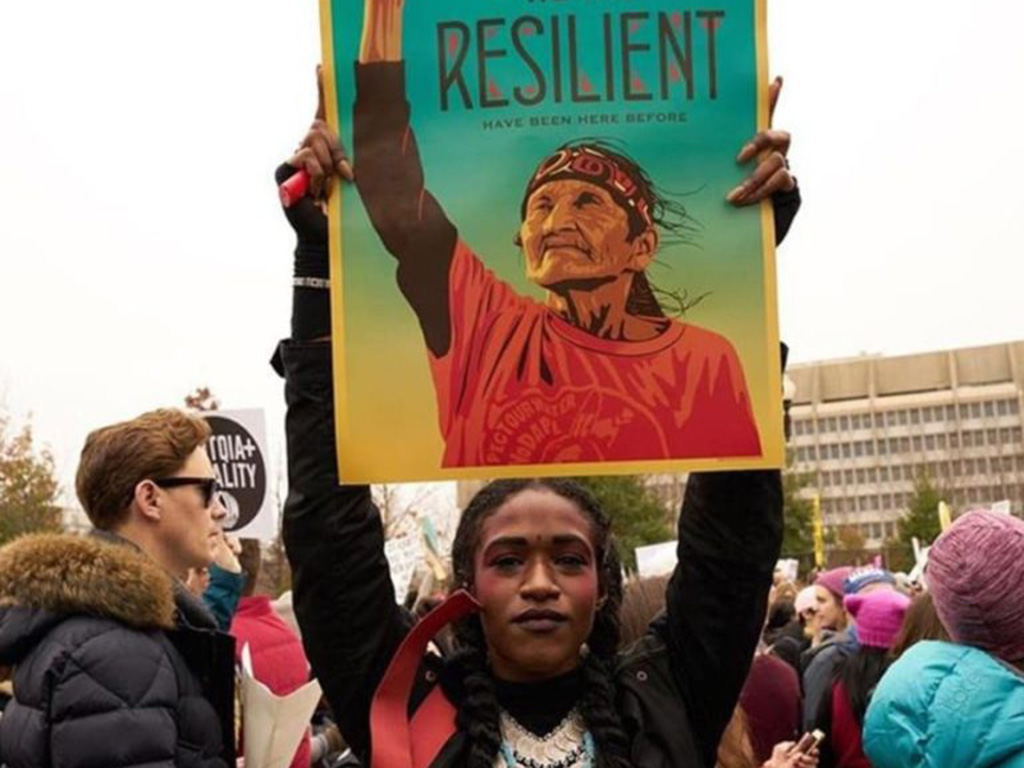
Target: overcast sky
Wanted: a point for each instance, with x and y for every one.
(142, 252)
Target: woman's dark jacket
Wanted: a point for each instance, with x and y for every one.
(677, 687)
(113, 666)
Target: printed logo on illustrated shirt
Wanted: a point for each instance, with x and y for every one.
(571, 425)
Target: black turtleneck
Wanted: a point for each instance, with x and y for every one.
(541, 706)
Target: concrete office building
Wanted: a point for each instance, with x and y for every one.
(865, 428)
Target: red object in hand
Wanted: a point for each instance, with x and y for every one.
(294, 188)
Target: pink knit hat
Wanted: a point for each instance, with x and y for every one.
(878, 615)
(833, 580)
(975, 571)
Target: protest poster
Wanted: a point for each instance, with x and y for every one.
(238, 451)
(536, 271)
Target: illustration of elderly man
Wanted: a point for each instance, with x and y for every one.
(596, 371)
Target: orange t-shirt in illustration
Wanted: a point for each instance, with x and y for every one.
(519, 385)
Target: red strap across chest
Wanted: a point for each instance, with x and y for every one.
(394, 741)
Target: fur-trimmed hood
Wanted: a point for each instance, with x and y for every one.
(71, 575)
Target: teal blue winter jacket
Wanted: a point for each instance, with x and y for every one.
(947, 706)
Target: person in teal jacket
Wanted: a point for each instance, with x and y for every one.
(961, 704)
(944, 705)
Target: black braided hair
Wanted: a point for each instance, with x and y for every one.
(478, 714)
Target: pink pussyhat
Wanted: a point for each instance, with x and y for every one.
(975, 571)
(878, 615)
(833, 580)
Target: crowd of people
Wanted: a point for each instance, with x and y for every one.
(122, 647)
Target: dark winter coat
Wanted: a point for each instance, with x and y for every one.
(113, 666)
(676, 689)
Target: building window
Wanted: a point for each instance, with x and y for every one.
(831, 424)
(812, 453)
(860, 476)
(927, 414)
(883, 474)
(858, 448)
(917, 443)
(1004, 435)
(897, 472)
(1002, 407)
(940, 440)
(1016, 434)
(844, 424)
(990, 409)
(1014, 407)
(991, 436)
(879, 421)
(915, 416)
(869, 447)
(883, 447)
(890, 418)
(950, 413)
(968, 439)
(975, 410)
(904, 445)
(956, 466)
(929, 442)
(872, 475)
(954, 440)
(968, 467)
(846, 450)
(855, 421)
(902, 416)
(848, 476)
(887, 501)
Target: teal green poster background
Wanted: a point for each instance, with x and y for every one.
(478, 159)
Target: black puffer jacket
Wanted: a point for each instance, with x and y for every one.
(93, 631)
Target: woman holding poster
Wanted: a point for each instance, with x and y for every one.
(538, 679)
(595, 372)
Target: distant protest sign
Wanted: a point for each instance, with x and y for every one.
(656, 559)
(404, 554)
(573, 293)
(238, 451)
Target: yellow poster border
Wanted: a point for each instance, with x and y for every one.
(773, 456)
(337, 342)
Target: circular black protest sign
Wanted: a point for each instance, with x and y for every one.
(240, 469)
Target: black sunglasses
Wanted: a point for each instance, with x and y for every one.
(208, 485)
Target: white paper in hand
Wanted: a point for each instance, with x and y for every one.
(273, 725)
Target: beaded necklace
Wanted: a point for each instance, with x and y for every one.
(569, 745)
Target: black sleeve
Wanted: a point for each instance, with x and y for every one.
(343, 597)
(409, 220)
(730, 535)
(785, 206)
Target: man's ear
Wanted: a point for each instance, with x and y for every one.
(645, 245)
(147, 500)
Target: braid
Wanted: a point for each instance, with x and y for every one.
(601, 716)
(478, 714)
